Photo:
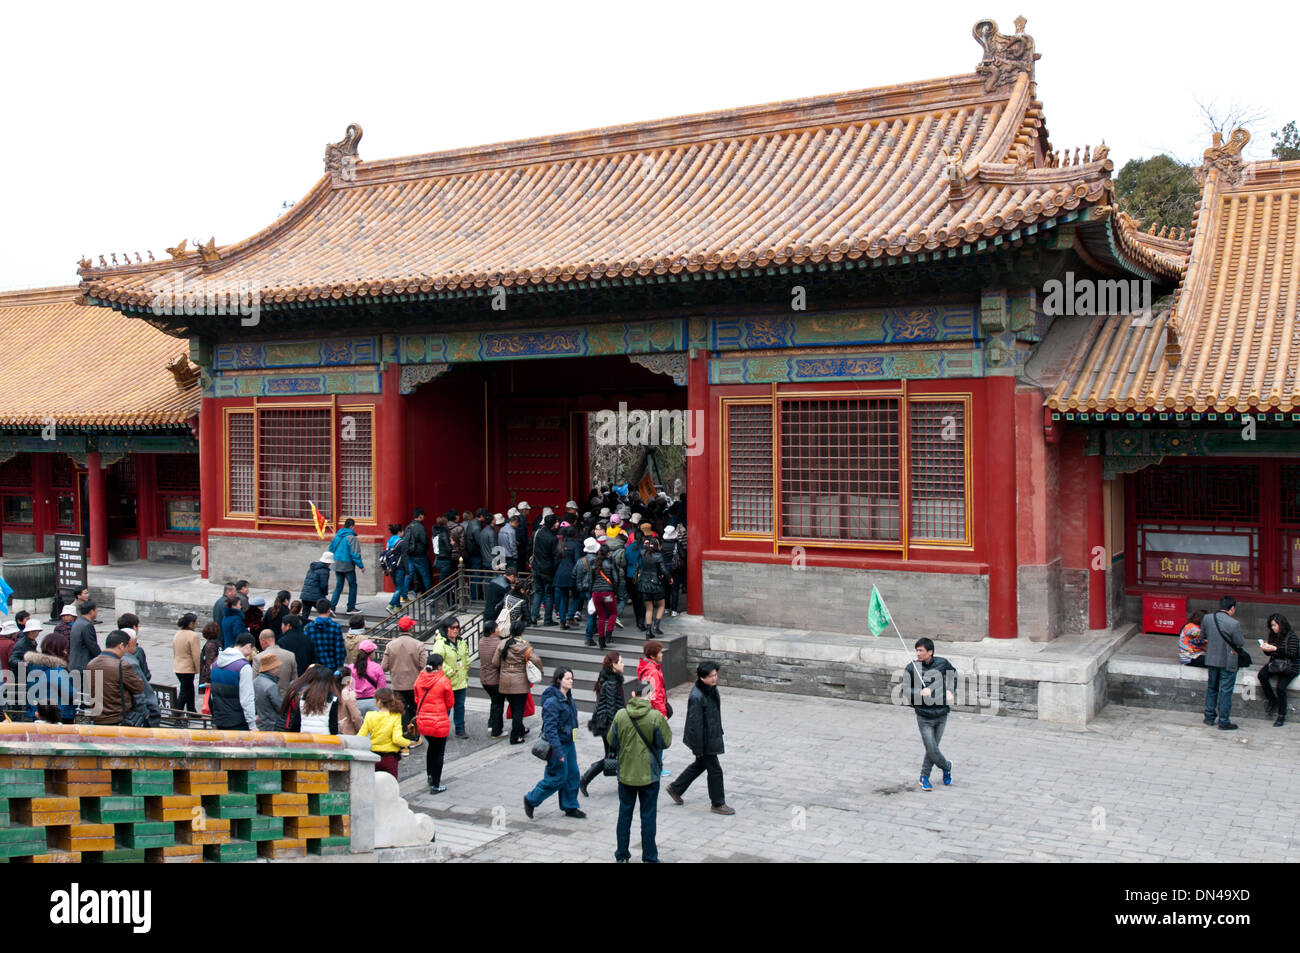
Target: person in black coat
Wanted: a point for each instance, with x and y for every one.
(219, 607)
(1283, 644)
(609, 699)
(543, 566)
(316, 585)
(497, 590)
(704, 737)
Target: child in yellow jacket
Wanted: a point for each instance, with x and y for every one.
(384, 728)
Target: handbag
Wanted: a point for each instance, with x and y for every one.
(1278, 666)
(531, 671)
(542, 749)
(1243, 657)
(412, 730)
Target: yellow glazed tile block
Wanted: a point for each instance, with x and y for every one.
(306, 782)
(46, 811)
(282, 805)
(176, 854)
(283, 848)
(175, 807)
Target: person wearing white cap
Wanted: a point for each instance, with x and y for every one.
(8, 635)
(582, 583)
(316, 585)
(26, 640)
(604, 512)
(64, 625)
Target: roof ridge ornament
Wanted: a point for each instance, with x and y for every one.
(341, 156)
(1226, 157)
(1005, 57)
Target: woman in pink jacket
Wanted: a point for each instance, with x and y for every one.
(367, 677)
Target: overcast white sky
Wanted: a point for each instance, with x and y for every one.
(130, 125)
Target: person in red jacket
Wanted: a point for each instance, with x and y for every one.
(433, 697)
(650, 669)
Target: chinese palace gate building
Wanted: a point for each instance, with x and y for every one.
(98, 415)
(846, 292)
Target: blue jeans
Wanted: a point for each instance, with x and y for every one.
(351, 578)
(444, 565)
(560, 776)
(561, 597)
(399, 587)
(458, 716)
(542, 594)
(418, 574)
(475, 584)
(591, 616)
(627, 800)
(1218, 693)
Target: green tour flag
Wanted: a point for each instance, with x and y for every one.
(878, 619)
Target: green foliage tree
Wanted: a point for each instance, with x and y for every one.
(1159, 190)
(1286, 144)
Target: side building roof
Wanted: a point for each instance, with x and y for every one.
(88, 368)
(1230, 342)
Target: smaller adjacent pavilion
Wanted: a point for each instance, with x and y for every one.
(1194, 413)
(98, 421)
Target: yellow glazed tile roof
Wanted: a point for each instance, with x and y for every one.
(86, 367)
(1231, 341)
(875, 173)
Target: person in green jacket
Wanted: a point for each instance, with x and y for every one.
(638, 738)
(455, 664)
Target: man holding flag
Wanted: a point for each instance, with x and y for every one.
(931, 684)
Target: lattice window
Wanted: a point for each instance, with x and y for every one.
(1223, 493)
(938, 469)
(840, 469)
(239, 442)
(63, 472)
(121, 475)
(1289, 491)
(178, 472)
(749, 468)
(293, 463)
(16, 472)
(356, 469)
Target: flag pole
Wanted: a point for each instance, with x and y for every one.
(899, 633)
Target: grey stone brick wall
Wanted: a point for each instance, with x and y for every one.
(1074, 600)
(18, 544)
(1038, 601)
(281, 563)
(940, 605)
(123, 550)
(1173, 694)
(1015, 698)
(166, 551)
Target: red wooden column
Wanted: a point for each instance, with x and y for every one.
(1000, 505)
(146, 500)
(98, 510)
(697, 480)
(211, 468)
(392, 505)
(1096, 545)
(40, 499)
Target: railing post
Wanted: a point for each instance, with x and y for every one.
(462, 588)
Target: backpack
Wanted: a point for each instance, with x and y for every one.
(390, 559)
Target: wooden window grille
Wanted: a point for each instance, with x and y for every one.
(937, 432)
(178, 472)
(121, 475)
(242, 456)
(1222, 493)
(16, 472)
(63, 472)
(1289, 491)
(356, 469)
(294, 450)
(749, 468)
(840, 469)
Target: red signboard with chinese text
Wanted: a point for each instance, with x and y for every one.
(1192, 569)
(1165, 614)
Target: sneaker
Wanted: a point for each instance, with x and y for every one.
(723, 809)
(574, 812)
(1227, 726)
(1279, 723)
(620, 860)
(947, 775)
(664, 773)
(925, 784)
(619, 623)
(1209, 721)
(677, 798)
(528, 807)
(462, 734)
(438, 789)
(674, 613)
(392, 609)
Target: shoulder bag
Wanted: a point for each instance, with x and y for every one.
(412, 730)
(531, 671)
(1243, 657)
(656, 760)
